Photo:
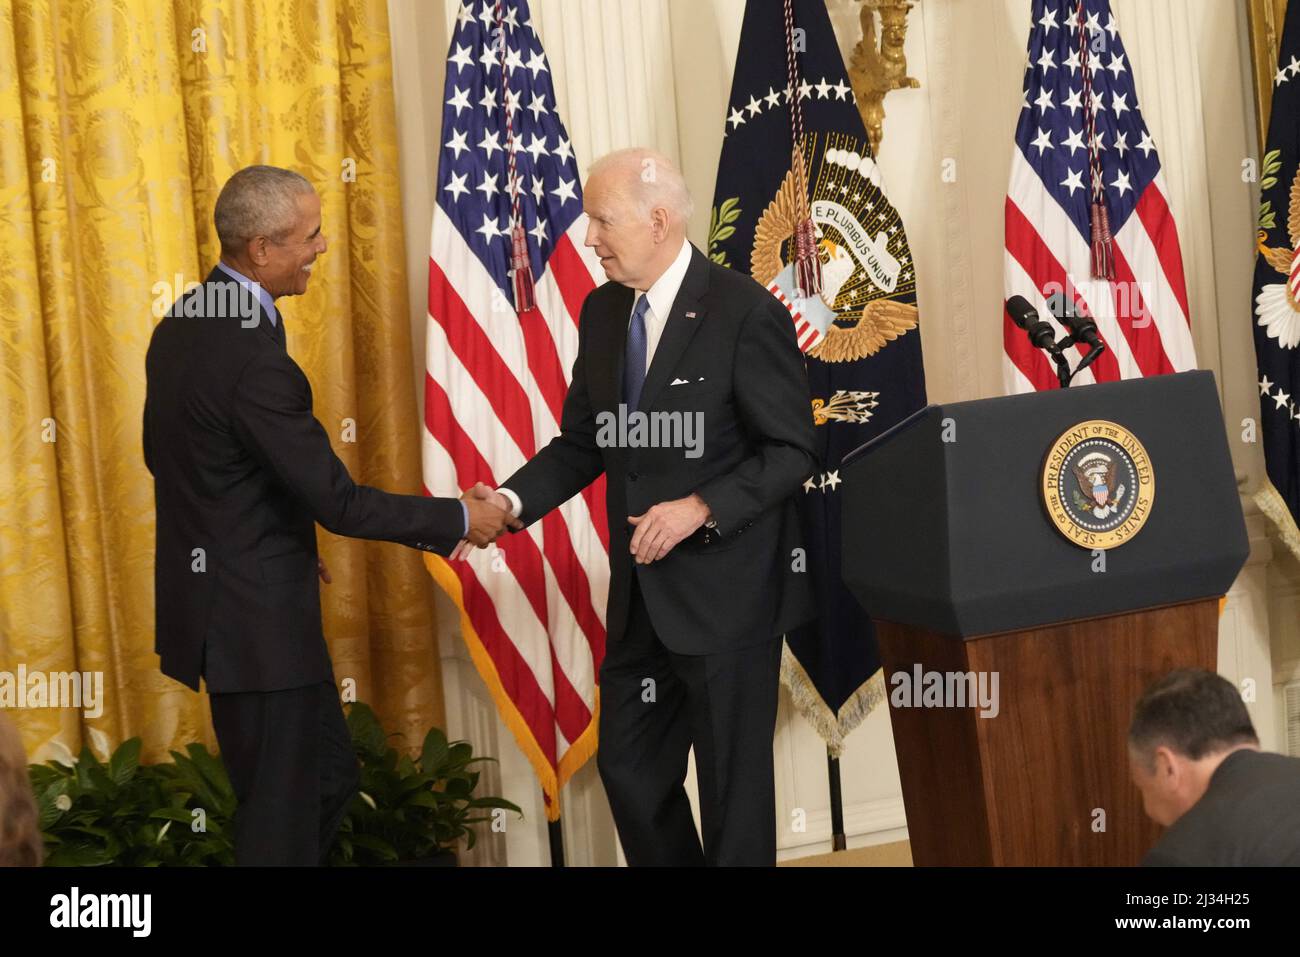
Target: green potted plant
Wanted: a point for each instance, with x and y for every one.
(181, 812)
(135, 815)
(411, 811)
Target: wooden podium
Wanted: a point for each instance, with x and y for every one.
(948, 545)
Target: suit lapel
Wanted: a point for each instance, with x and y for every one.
(678, 330)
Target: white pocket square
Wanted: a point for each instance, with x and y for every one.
(679, 382)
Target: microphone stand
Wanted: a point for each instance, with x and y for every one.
(1057, 353)
(1079, 329)
(1063, 373)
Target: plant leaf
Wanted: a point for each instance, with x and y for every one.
(173, 814)
(375, 845)
(367, 733)
(435, 751)
(122, 766)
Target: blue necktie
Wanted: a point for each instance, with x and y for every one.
(634, 364)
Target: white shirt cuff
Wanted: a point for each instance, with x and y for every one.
(516, 506)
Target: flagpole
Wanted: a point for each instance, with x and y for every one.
(556, 833)
(838, 840)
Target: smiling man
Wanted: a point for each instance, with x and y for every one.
(243, 471)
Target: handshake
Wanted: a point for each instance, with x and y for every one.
(489, 517)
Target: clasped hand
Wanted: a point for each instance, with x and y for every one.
(489, 518)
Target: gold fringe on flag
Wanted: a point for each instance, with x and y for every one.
(1274, 507)
(833, 727)
(579, 752)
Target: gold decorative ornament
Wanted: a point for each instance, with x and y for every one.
(878, 67)
(845, 406)
(1265, 18)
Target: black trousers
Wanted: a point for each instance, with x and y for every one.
(290, 760)
(654, 705)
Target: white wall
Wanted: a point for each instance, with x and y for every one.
(658, 72)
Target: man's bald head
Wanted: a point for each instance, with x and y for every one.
(638, 206)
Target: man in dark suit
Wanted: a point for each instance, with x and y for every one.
(242, 474)
(1195, 757)
(705, 575)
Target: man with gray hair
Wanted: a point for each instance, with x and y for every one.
(1194, 755)
(243, 471)
(705, 569)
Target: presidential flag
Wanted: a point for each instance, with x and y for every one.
(507, 277)
(1088, 226)
(1276, 294)
(799, 205)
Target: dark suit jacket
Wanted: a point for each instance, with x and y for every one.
(725, 588)
(1248, 817)
(243, 471)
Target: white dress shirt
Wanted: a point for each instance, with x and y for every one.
(661, 296)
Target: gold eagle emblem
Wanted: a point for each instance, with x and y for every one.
(879, 321)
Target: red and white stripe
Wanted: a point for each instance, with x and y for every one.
(1142, 314)
(494, 389)
(807, 334)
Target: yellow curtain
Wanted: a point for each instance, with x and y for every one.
(119, 122)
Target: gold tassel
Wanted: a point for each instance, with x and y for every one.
(807, 261)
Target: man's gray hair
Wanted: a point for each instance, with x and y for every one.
(258, 201)
(651, 180)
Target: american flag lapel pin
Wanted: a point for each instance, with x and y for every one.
(690, 315)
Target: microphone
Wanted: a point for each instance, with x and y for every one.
(1026, 317)
(1040, 333)
(1081, 329)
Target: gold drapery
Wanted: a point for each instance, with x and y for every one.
(1266, 18)
(119, 122)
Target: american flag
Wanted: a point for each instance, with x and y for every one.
(1051, 209)
(532, 606)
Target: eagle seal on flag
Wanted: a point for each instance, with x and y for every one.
(800, 205)
(852, 315)
(1275, 294)
(1276, 307)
